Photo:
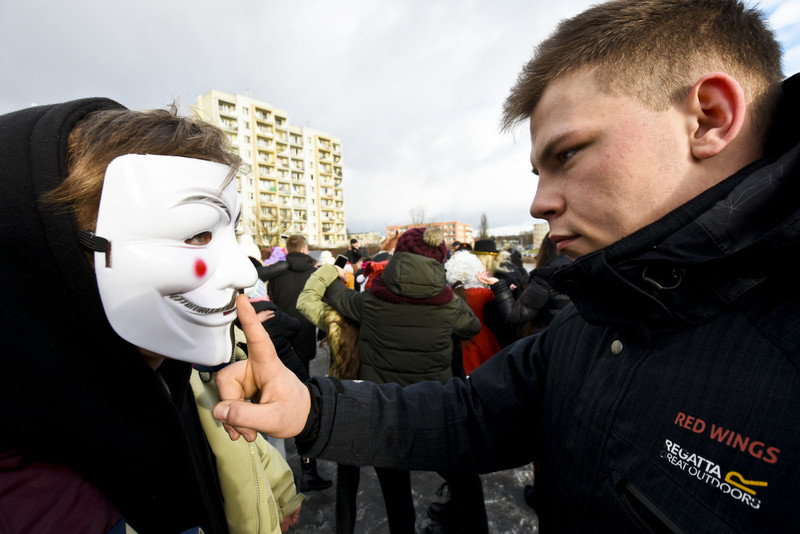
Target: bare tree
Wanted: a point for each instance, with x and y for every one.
(417, 215)
(483, 230)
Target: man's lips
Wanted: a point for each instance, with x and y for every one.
(562, 241)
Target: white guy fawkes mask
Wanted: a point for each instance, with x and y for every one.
(169, 278)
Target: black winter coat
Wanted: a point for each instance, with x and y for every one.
(281, 328)
(538, 303)
(283, 290)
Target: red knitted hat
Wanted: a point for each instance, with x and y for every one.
(425, 242)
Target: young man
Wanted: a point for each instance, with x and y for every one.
(354, 252)
(121, 270)
(665, 398)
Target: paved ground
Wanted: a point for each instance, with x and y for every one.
(503, 491)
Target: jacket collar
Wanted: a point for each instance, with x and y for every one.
(702, 257)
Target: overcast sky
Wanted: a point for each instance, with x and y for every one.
(414, 89)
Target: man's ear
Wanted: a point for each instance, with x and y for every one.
(717, 107)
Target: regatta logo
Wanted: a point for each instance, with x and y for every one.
(756, 449)
(708, 472)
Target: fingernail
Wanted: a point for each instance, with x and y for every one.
(221, 413)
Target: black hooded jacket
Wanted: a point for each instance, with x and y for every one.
(71, 390)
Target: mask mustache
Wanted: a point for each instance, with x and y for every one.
(196, 308)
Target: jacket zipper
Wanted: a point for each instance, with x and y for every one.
(253, 459)
(644, 512)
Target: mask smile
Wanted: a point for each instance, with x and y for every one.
(202, 310)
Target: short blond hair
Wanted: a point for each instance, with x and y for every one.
(296, 243)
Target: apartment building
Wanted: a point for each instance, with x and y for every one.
(367, 238)
(452, 230)
(292, 180)
(539, 231)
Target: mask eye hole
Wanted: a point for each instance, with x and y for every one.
(203, 238)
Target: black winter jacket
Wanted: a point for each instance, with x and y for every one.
(283, 290)
(665, 398)
(281, 328)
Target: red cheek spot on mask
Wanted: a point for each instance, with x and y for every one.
(200, 268)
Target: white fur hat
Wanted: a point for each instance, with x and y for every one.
(462, 267)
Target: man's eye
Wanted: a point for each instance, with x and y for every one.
(565, 156)
(203, 238)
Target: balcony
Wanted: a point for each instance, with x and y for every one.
(229, 124)
(265, 130)
(226, 108)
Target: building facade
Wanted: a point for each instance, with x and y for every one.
(539, 231)
(367, 238)
(292, 182)
(452, 230)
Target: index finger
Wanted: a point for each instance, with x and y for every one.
(259, 345)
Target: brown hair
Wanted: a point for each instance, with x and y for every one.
(547, 251)
(295, 243)
(104, 135)
(654, 51)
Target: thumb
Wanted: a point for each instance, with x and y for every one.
(238, 418)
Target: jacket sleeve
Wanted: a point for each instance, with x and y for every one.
(269, 272)
(345, 300)
(309, 302)
(520, 311)
(466, 324)
(281, 324)
(487, 422)
(280, 478)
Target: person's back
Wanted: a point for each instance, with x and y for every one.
(284, 289)
(407, 316)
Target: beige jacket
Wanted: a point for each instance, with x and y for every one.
(257, 483)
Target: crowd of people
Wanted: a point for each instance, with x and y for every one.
(404, 315)
(646, 366)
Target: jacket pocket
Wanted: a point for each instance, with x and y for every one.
(643, 511)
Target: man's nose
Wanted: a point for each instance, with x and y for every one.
(547, 202)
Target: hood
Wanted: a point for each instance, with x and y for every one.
(414, 276)
(299, 262)
(71, 389)
(708, 253)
